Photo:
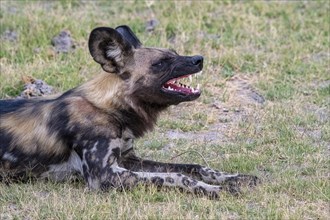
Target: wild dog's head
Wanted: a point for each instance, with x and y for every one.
(152, 74)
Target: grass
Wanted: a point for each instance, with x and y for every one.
(280, 49)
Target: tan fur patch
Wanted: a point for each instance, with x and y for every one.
(31, 134)
(84, 114)
(106, 91)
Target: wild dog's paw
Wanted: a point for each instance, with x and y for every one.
(234, 183)
(212, 192)
(216, 177)
(243, 180)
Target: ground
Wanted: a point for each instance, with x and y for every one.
(264, 108)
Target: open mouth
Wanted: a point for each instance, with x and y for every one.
(178, 85)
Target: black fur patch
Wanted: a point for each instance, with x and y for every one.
(158, 181)
(200, 191)
(129, 36)
(116, 152)
(169, 179)
(132, 120)
(5, 140)
(125, 75)
(189, 182)
(28, 164)
(204, 173)
(59, 119)
(7, 106)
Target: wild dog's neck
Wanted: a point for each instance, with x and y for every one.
(105, 91)
(140, 116)
(141, 119)
(110, 94)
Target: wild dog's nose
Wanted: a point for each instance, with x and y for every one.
(197, 60)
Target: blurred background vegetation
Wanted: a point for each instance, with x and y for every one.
(264, 108)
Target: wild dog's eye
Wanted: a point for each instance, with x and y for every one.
(161, 64)
(158, 64)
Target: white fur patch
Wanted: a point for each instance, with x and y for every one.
(106, 157)
(116, 169)
(63, 171)
(114, 53)
(93, 183)
(94, 149)
(10, 157)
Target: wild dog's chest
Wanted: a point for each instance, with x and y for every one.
(95, 155)
(99, 149)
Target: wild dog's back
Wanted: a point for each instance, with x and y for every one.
(36, 133)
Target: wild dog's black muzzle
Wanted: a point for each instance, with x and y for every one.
(197, 61)
(185, 65)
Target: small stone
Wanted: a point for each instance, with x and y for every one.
(225, 110)
(63, 42)
(257, 97)
(51, 53)
(12, 10)
(10, 35)
(172, 39)
(35, 87)
(214, 105)
(225, 119)
(36, 50)
(306, 93)
(151, 25)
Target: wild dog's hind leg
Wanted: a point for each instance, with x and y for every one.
(208, 175)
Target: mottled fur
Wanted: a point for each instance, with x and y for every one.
(90, 130)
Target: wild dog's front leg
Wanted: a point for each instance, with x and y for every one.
(180, 181)
(99, 165)
(101, 171)
(208, 175)
(123, 178)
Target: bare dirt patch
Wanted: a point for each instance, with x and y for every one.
(241, 105)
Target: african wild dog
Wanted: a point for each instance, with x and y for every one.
(89, 130)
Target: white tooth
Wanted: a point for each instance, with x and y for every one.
(190, 78)
(169, 88)
(198, 86)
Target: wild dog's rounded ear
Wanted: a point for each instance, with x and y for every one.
(108, 47)
(129, 36)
